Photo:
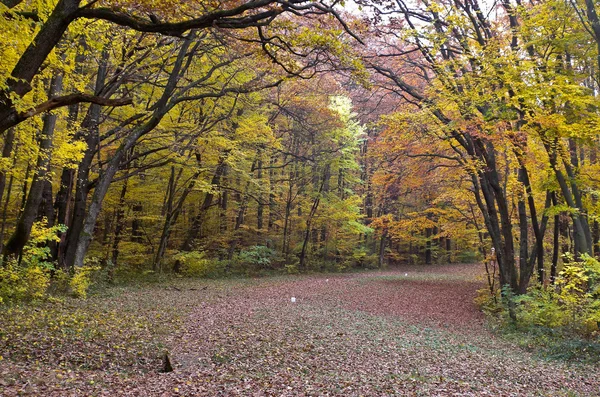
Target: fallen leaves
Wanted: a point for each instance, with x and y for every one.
(370, 334)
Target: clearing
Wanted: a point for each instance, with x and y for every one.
(405, 331)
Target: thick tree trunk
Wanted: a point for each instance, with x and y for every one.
(89, 132)
(32, 59)
(25, 222)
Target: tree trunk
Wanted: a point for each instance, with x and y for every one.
(311, 215)
(195, 228)
(172, 215)
(382, 242)
(25, 222)
(7, 149)
(428, 246)
(161, 108)
(89, 131)
(555, 243)
(119, 224)
(260, 207)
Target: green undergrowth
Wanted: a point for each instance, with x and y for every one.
(559, 321)
(551, 344)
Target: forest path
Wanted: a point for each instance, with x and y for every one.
(405, 331)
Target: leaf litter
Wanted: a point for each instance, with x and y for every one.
(408, 331)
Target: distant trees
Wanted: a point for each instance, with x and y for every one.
(511, 104)
(86, 107)
(422, 132)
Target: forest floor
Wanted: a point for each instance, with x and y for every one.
(406, 331)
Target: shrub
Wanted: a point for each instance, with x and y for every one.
(362, 258)
(81, 280)
(19, 283)
(487, 302)
(34, 276)
(292, 269)
(257, 257)
(572, 306)
(468, 256)
(29, 278)
(196, 264)
(255, 260)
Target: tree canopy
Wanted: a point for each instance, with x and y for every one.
(269, 135)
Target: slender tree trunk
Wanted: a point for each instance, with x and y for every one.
(173, 213)
(325, 189)
(7, 150)
(168, 214)
(555, 243)
(223, 202)
(286, 220)
(119, 223)
(260, 207)
(196, 227)
(5, 209)
(271, 220)
(239, 220)
(136, 223)
(428, 246)
(579, 234)
(382, 242)
(311, 216)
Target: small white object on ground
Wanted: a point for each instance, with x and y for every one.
(327, 280)
(405, 274)
(293, 299)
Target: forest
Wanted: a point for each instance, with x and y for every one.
(299, 197)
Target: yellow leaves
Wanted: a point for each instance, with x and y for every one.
(40, 233)
(435, 7)
(67, 153)
(254, 129)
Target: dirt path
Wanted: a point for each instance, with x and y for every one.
(402, 332)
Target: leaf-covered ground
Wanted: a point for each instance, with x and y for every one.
(408, 331)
